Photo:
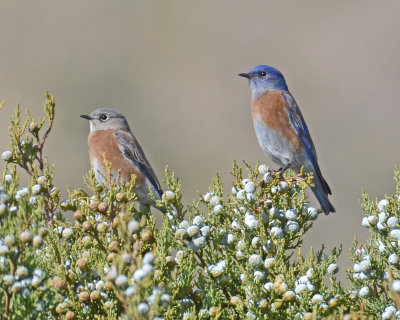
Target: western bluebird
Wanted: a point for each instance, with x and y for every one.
(111, 137)
(281, 130)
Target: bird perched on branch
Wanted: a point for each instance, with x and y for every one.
(280, 128)
(110, 138)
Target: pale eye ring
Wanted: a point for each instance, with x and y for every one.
(103, 117)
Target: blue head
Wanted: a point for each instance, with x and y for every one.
(264, 78)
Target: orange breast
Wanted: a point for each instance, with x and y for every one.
(105, 144)
(270, 106)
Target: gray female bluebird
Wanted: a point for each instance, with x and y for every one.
(111, 137)
(280, 128)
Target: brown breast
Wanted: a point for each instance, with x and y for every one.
(105, 144)
(271, 107)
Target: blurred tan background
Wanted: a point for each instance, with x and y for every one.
(171, 67)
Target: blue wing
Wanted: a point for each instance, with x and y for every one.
(297, 121)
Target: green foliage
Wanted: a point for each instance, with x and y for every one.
(234, 255)
(376, 271)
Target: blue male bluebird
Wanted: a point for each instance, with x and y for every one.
(280, 128)
(111, 138)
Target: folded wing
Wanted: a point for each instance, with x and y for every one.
(297, 121)
(132, 151)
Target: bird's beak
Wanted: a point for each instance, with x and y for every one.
(245, 75)
(84, 116)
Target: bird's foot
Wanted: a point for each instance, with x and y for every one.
(298, 177)
(282, 170)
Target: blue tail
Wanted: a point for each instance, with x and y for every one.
(321, 192)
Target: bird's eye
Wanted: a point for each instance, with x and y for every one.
(263, 73)
(103, 117)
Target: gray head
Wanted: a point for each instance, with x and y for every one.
(106, 119)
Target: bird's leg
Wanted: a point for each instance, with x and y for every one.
(282, 170)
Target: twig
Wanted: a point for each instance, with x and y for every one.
(41, 145)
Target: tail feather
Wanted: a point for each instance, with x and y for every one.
(321, 191)
(326, 186)
(158, 195)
